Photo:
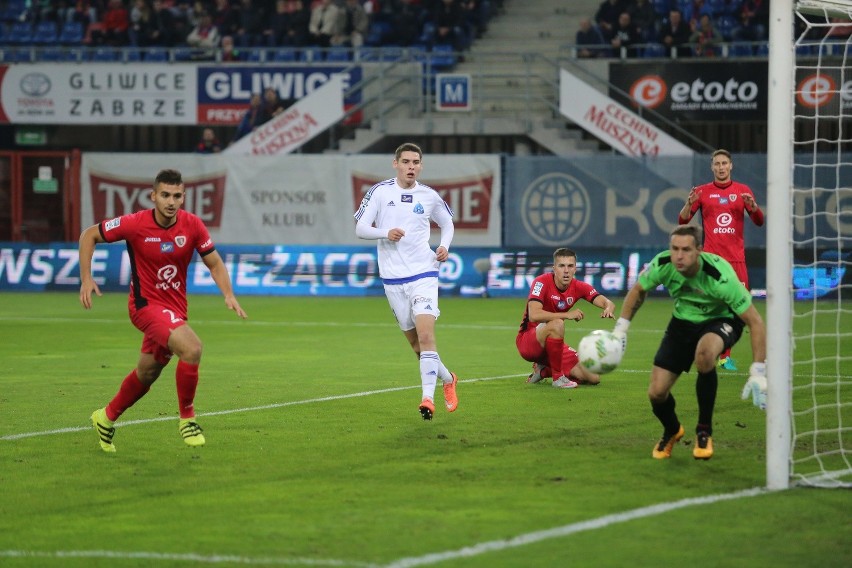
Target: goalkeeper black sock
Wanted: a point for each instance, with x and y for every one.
(705, 391)
(665, 413)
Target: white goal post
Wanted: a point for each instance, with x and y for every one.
(809, 406)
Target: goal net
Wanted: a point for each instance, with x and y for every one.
(815, 235)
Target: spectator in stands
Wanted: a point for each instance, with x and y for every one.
(228, 51)
(353, 25)
(288, 26)
(324, 23)
(754, 21)
(675, 34)
(607, 16)
(476, 15)
(840, 30)
(254, 117)
(448, 18)
(407, 19)
(589, 40)
(204, 34)
(624, 36)
(167, 33)
(82, 12)
(272, 104)
(208, 144)
(143, 29)
(116, 23)
(252, 19)
(706, 38)
(645, 18)
(225, 18)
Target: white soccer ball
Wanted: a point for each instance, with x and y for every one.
(600, 352)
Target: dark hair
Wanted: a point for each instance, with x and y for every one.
(168, 177)
(407, 147)
(721, 152)
(563, 252)
(693, 231)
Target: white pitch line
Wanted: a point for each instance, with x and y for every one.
(567, 530)
(238, 410)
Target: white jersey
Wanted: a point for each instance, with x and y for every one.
(389, 206)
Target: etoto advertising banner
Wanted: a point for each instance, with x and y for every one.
(302, 199)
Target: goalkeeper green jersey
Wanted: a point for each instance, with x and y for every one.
(714, 292)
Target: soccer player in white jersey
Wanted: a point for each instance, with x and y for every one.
(397, 213)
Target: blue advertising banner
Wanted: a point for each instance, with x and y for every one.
(224, 91)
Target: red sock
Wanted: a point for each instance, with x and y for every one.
(725, 354)
(129, 392)
(569, 360)
(186, 377)
(553, 347)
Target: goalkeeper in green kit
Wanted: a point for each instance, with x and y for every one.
(711, 309)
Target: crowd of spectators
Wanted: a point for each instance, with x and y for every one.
(241, 24)
(686, 28)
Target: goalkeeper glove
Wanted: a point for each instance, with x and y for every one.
(756, 385)
(620, 332)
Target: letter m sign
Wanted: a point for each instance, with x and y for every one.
(452, 91)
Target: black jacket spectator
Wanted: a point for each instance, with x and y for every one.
(607, 16)
(675, 33)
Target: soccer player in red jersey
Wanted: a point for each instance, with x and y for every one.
(553, 299)
(161, 243)
(724, 204)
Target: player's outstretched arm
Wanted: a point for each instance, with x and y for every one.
(757, 383)
(606, 305)
(632, 302)
(220, 275)
(88, 239)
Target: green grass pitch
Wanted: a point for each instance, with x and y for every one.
(316, 454)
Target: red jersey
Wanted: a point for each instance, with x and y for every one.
(544, 290)
(723, 217)
(159, 256)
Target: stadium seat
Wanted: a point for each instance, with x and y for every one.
(71, 33)
(17, 55)
(740, 49)
(726, 25)
(661, 7)
(762, 50)
(427, 34)
(442, 56)
(102, 54)
(185, 53)
(340, 54)
(51, 54)
(45, 33)
(310, 54)
(256, 55)
(654, 50)
(155, 54)
(284, 54)
(378, 32)
(20, 33)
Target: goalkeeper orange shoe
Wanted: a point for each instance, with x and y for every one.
(450, 397)
(703, 449)
(427, 408)
(663, 449)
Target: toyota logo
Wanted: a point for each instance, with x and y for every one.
(35, 84)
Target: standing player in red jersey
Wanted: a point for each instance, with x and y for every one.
(723, 204)
(160, 242)
(541, 338)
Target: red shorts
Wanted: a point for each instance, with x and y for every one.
(156, 323)
(529, 347)
(742, 272)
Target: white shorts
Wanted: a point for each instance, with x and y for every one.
(413, 299)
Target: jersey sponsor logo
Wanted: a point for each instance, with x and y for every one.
(724, 219)
(561, 305)
(112, 224)
(421, 300)
(391, 204)
(166, 275)
(167, 247)
(206, 243)
(407, 198)
(180, 240)
(536, 291)
(723, 200)
(152, 239)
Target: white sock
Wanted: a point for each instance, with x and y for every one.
(430, 369)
